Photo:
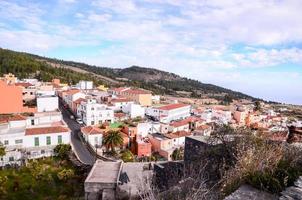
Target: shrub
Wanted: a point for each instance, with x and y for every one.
(127, 156)
(264, 165)
(62, 150)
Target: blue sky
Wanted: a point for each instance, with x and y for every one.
(253, 47)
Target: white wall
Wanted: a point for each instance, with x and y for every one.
(49, 103)
(134, 110)
(95, 139)
(85, 85)
(29, 140)
(93, 113)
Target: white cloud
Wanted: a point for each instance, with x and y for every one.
(194, 38)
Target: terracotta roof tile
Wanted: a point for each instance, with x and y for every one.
(120, 100)
(78, 101)
(46, 130)
(177, 134)
(137, 91)
(91, 130)
(172, 106)
(23, 84)
(72, 91)
(8, 118)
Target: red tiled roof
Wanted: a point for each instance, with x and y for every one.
(119, 115)
(178, 134)
(91, 130)
(46, 130)
(8, 118)
(120, 89)
(185, 121)
(72, 91)
(23, 84)
(119, 100)
(172, 106)
(137, 91)
(203, 127)
(78, 101)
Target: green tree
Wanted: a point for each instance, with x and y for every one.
(2, 151)
(127, 156)
(62, 150)
(227, 99)
(65, 174)
(257, 105)
(178, 154)
(113, 139)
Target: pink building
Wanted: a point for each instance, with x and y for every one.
(12, 99)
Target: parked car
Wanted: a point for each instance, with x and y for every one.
(80, 121)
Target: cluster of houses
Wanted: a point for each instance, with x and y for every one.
(29, 132)
(148, 123)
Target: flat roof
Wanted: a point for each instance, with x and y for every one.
(104, 172)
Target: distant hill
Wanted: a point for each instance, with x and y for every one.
(160, 82)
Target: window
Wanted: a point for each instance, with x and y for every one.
(11, 159)
(59, 139)
(32, 122)
(92, 122)
(37, 141)
(48, 140)
(31, 93)
(6, 142)
(20, 141)
(92, 108)
(42, 151)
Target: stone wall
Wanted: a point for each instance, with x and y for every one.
(168, 174)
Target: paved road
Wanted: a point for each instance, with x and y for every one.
(79, 147)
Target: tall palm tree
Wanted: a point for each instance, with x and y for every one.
(113, 139)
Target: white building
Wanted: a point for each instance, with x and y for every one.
(134, 110)
(143, 129)
(85, 85)
(23, 140)
(168, 113)
(118, 103)
(71, 96)
(93, 113)
(92, 135)
(47, 103)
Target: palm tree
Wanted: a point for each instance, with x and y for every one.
(113, 139)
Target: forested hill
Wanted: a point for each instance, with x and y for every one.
(160, 82)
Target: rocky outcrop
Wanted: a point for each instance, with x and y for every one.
(247, 192)
(293, 192)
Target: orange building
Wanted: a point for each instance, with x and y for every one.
(143, 147)
(12, 99)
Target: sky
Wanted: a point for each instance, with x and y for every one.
(250, 46)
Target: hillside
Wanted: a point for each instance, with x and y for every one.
(160, 82)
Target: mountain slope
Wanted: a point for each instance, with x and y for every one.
(160, 82)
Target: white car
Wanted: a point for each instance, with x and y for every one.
(80, 121)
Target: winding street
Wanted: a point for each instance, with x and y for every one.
(79, 148)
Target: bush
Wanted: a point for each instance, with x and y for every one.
(62, 150)
(127, 156)
(264, 165)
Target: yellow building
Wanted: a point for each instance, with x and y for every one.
(10, 78)
(102, 88)
(142, 97)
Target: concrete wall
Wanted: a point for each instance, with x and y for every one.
(45, 104)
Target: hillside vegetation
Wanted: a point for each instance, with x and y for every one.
(160, 82)
(25, 66)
